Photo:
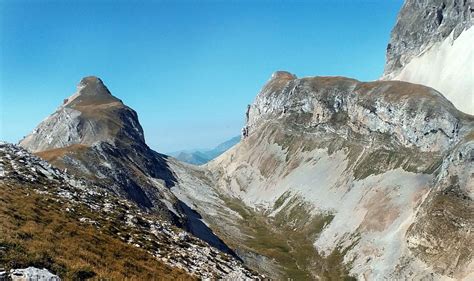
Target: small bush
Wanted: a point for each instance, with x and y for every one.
(83, 274)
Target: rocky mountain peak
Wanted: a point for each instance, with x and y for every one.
(90, 80)
(89, 116)
(97, 137)
(92, 86)
(431, 44)
(91, 91)
(280, 74)
(422, 23)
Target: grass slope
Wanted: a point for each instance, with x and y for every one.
(287, 238)
(36, 231)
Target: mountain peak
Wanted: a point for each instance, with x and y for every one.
(90, 90)
(280, 74)
(90, 79)
(89, 116)
(93, 82)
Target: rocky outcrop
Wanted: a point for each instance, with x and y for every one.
(413, 115)
(420, 24)
(32, 273)
(431, 44)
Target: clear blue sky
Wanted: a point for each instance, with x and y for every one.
(189, 68)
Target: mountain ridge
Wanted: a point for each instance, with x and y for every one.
(100, 235)
(324, 160)
(202, 156)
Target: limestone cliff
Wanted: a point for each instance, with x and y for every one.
(431, 44)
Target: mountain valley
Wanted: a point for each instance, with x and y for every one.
(332, 178)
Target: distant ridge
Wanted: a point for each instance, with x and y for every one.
(200, 157)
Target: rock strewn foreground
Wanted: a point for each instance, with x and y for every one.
(166, 243)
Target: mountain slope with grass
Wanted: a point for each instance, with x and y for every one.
(77, 230)
(95, 136)
(340, 178)
(333, 179)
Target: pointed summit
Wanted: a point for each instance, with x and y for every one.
(93, 134)
(89, 116)
(280, 74)
(96, 137)
(90, 90)
(90, 80)
(92, 86)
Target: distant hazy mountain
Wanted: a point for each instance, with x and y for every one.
(199, 157)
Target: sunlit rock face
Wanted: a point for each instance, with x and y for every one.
(431, 44)
(414, 115)
(89, 116)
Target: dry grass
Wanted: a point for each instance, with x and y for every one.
(35, 230)
(396, 89)
(288, 240)
(54, 154)
(446, 224)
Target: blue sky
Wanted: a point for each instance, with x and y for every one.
(189, 68)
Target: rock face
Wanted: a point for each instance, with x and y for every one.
(32, 273)
(95, 136)
(413, 115)
(361, 170)
(421, 24)
(431, 44)
(89, 116)
(442, 230)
